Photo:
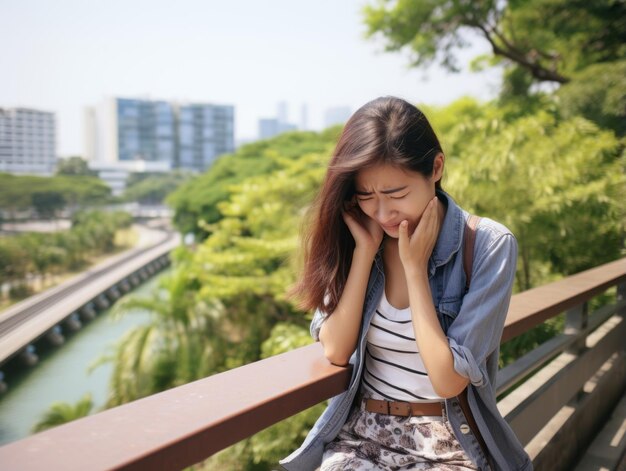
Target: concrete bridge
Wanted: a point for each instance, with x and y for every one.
(46, 316)
(565, 399)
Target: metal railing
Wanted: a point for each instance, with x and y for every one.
(187, 424)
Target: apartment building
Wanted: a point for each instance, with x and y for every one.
(27, 141)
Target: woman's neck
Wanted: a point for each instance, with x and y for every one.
(391, 253)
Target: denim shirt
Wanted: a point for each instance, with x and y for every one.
(473, 323)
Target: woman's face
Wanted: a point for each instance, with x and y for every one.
(389, 194)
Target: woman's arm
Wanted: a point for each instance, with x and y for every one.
(415, 251)
(455, 360)
(432, 343)
(339, 332)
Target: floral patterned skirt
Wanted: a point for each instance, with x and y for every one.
(371, 441)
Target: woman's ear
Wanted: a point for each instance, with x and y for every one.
(438, 165)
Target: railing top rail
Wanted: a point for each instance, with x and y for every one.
(184, 425)
(534, 306)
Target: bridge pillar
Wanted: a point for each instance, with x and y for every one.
(55, 336)
(135, 279)
(73, 322)
(113, 293)
(88, 311)
(125, 286)
(102, 302)
(29, 355)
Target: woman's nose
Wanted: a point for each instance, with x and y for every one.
(384, 212)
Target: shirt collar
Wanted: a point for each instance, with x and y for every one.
(450, 235)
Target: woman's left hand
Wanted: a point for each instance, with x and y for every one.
(416, 249)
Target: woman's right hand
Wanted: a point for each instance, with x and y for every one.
(366, 232)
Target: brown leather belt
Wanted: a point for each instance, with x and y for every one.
(403, 409)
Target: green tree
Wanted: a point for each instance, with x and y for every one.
(544, 178)
(74, 165)
(48, 203)
(48, 194)
(597, 93)
(92, 233)
(196, 202)
(550, 39)
(61, 413)
(14, 260)
(175, 347)
(153, 188)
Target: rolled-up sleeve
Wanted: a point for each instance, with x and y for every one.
(316, 324)
(477, 329)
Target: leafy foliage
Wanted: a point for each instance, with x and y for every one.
(74, 165)
(92, 233)
(153, 188)
(49, 194)
(195, 203)
(597, 93)
(62, 412)
(557, 176)
(550, 40)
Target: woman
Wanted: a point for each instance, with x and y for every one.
(385, 271)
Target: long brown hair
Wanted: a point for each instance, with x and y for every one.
(386, 130)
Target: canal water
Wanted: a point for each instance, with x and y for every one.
(62, 374)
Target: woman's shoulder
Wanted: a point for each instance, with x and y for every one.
(491, 234)
(491, 229)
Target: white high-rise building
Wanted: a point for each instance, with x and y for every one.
(27, 141)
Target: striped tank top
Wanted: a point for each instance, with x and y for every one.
(393, 366)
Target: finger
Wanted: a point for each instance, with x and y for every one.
(403, 236)
(431, 207)
(353, 225)
(430, 213)
(348, 218)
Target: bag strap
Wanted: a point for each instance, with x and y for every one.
(468, 252)
(469, 238)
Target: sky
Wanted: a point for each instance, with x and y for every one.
(64, 55)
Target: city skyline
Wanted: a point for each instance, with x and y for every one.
(67, 55)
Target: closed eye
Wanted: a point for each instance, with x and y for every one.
(398, 197)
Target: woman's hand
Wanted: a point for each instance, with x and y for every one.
(366, 232)
(415, 250)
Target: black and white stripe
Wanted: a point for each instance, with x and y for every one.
(393, 366)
